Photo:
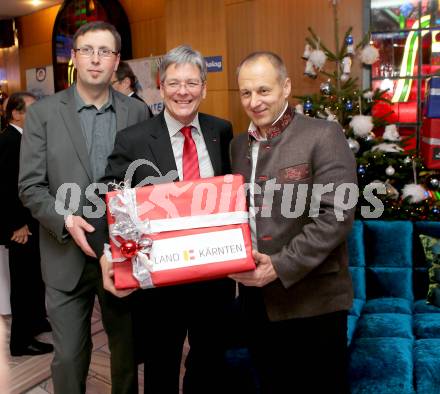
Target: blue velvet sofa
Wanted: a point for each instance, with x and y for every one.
(394, 335)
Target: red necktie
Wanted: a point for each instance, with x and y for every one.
(190, 160)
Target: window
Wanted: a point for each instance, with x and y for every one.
(407, 34)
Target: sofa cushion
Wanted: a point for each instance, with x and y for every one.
(427, 366)
(421, 306)
(427, 325)
(389, 282)
(381, 366)
(388, 305)
(351, 327)
(359, 284)
(376, 325)
(355, 242)
(356, 308)
(389, 243)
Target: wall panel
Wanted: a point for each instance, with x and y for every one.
(292, 21)
(147, 22)
(141, 10)
(240, 35)
(10, 66)
(35, 40)
(237, 115)
(216, 103)
(36, 28)
(202, 24)
(148, 37)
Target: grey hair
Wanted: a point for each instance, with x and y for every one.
(273, 58)
(183, 54)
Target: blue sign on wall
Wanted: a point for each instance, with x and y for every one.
(214, 64)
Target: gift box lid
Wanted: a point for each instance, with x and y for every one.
(434, 83)
(432, 99)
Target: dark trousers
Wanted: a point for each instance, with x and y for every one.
(70, 315)
(165, 316)
(27, 291)
(304, 355)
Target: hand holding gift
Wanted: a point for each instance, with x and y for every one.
(107, 279)
(261, 276)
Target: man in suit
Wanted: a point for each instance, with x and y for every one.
(125, 82)
(67, 139)
(296, 300)
(20, 235)
(197, 310)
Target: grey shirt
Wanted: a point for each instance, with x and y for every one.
(99, 130)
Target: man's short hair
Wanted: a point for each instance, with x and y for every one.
(273, 58)
(98, 26)
(16, 102)
(183, 54)
(124, 71)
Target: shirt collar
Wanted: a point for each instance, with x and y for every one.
(277, 127)
(19, 129)
(174, 126)
(80, 104)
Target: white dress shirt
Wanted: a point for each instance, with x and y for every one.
(20, 130)
(177, 141)
(256, 140)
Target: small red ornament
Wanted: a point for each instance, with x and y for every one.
(128, 248)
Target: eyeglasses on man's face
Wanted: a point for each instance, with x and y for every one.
(191, 84)
(102, 52)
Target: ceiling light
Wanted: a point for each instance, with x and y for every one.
(36, 3)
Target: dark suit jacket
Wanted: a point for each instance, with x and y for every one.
(14, 214)
(54, 155)
(309, 254)
(150, 141)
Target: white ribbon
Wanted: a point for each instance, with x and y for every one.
(124, 206)
(431, 141)
(198, 221)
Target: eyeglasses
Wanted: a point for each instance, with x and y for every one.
(88, 52)
(190, 85)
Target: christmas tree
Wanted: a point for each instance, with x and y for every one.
(406, 188)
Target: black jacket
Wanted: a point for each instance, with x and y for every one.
(14, 214)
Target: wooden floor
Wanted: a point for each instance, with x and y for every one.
(31, 375)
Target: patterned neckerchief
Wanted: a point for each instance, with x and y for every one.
(276, 129)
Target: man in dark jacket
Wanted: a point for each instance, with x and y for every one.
(19, 232)
(125, 81)
(296, 300)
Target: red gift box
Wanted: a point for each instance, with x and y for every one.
(430, 143)
(395, 112)
(199, 231)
